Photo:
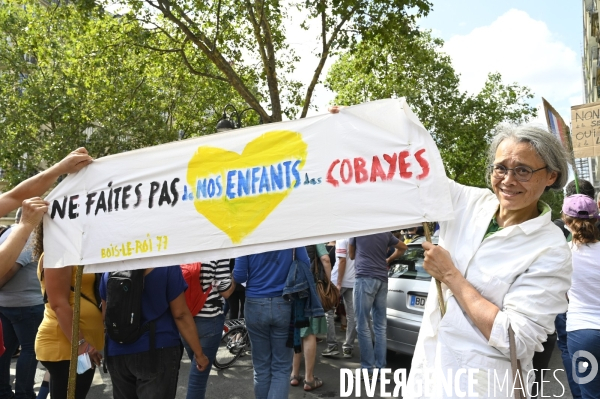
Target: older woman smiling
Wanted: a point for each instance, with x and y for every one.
(502, 263)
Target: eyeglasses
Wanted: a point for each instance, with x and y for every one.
(521, 173)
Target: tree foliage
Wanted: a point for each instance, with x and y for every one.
(415, 68)
(244, 42)
(555, 200)
(69, 79)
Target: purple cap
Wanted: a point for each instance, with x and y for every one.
(580, 206)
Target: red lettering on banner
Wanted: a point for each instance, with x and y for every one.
(360, 172)
(423, 163)
(377, 170)
(391, 159)
(330, 178)
(346, 179)
(403, 165)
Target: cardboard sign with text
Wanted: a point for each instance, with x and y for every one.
(585, 130)
(371, 168)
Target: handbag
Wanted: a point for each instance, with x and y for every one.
(515, 365)
(327, 291)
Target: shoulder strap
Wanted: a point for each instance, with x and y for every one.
(96, 304)
(515, 366)
(45, 295)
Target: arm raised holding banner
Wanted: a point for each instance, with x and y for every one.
(33, 211)
(27, 194)
(37, 185)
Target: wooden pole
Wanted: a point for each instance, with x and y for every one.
(75, 334)
(438, 284)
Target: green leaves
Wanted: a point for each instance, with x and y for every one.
(69, 79)
(412, 66)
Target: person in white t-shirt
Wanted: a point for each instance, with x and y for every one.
(580, 214)
(343, 276)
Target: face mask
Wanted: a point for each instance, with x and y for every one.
(568, 228)
(83, 363)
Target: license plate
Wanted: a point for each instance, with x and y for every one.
(417, 301)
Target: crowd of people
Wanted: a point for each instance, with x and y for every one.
(269, 289)
(507, 273)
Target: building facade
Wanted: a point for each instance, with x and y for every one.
(589, 168)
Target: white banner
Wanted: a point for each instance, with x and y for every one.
(370, 168)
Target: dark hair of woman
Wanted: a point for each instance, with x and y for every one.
(584, 230)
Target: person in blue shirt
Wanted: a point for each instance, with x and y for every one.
(268, 317)
(134, 371)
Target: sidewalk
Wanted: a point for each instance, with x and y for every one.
(237, 381)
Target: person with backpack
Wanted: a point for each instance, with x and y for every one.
(208, 283)
(144, 312)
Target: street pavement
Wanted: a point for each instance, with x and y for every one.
(236, 382)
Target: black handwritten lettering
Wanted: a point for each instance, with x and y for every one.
(101, 204)
(110, 197)
(174, 191)
(89, 202)
(117, 191)
(138, 194)
(56, 208)
(73, 206)
(154, 186)
(126, 196)
(164, 194)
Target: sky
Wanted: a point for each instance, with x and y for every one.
(535, 43)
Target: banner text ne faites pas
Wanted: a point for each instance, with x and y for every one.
(369, 169)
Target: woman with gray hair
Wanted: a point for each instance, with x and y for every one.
(502, 263)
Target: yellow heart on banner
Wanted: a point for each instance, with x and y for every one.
(236, 192)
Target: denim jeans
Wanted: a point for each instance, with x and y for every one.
(589, 341)
(561, 331)
(329, 316)
(20, 326)
(268, 321)
(133, 376)
(210, 331)
(347, 295)
(370, 298)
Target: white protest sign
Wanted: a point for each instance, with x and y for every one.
(368, 169)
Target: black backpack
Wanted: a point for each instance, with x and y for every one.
(123, 318)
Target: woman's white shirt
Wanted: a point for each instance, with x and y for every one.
(584, 301)
(524, 269)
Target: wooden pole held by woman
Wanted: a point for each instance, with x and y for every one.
(75, 334)
(438, 284)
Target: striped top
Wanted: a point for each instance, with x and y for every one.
(217, 274)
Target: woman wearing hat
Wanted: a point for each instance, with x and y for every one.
(580, 214)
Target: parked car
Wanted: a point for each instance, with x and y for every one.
(408, 284)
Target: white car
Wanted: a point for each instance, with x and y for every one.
(408, 284)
